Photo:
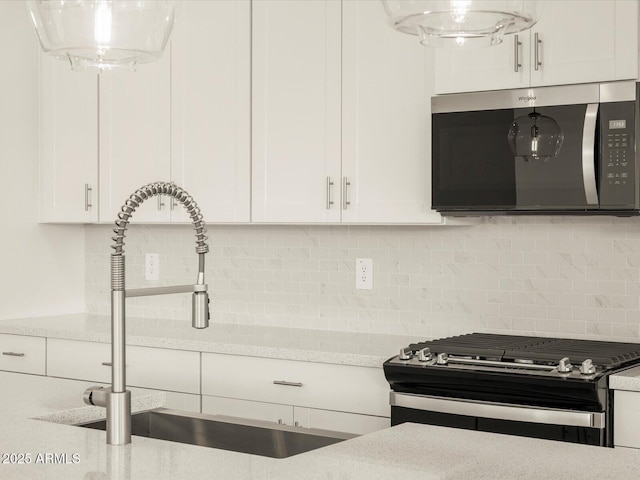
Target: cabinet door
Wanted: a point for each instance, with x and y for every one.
(338, 421)
(626, 419)
(486, 68)
(296, 110)
(386, 90)
(233, 407)
(590, 42)
(68, 143)
(344, 388)
(210, 113)
(159, 368)
(135, 129)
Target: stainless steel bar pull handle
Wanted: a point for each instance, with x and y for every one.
(13, 354)
(160, 202)
(87, 197)
(536, 51)
(345, 193)
(516, 53)
(517, 413)
(288, 384)
(329, 189)
(588, 154)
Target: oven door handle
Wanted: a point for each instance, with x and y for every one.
(589, 154)
(498, 411)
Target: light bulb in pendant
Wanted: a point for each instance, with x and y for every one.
(534, 141)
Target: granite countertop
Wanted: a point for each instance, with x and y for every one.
(343, 348)
(626, 380)
(405, 451)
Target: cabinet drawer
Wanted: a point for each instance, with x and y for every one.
(22, 354)
(317, 385)
(79, 360)
(158, 368)
(232, 407)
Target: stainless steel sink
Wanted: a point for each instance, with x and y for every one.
(228, 433)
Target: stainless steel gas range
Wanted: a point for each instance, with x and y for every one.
(552, 388)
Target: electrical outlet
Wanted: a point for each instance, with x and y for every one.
(364, 273)
(152, 266)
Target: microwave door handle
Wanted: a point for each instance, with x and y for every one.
(589, 154)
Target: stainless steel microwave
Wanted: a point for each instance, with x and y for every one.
(476, 171)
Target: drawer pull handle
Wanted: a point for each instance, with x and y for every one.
(288, 384)
(107, 364)
(13, 354)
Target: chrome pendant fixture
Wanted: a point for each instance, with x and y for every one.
(461, 23)
(535, 137)
(103, 34)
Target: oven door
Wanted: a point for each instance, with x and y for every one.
(552, 424)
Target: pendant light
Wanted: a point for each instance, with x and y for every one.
(535, 137)
(103, 34)
(461, 23)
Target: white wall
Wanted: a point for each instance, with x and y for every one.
(551, 276)
(41, 266)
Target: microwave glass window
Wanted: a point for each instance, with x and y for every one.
(472, 160)
(474, 165)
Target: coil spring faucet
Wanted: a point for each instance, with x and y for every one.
(117, 400)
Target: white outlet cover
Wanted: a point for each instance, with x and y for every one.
(152, 266)
(364, 273)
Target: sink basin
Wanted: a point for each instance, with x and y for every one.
(228, 433)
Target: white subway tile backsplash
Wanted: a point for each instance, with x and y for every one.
(573, 276)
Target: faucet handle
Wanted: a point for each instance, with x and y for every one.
(96, 396)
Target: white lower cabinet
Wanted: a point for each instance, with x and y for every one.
(341, 398)
(332, 397)
(157, 368)
(22, 354)
(626, 419)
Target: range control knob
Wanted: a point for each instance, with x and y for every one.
(587, 367)
(565, 365)
(443, 359)
(405, 354)
(424, 355)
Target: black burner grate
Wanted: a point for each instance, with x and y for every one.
(536, 349)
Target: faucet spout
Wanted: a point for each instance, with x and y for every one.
(118, 399)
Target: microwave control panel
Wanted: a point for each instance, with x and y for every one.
(617, 155)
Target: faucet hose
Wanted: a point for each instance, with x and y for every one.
(132, 203)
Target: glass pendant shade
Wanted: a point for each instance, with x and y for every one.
(103, 34)
(535, 137)
(461, 23)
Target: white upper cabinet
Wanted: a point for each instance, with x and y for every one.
(573, 42)
(296, 99)
(210, 108)
(340, 116)
(590, 42)
(135, 132)
(484, 68)
(69, 143)
(387, 83)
